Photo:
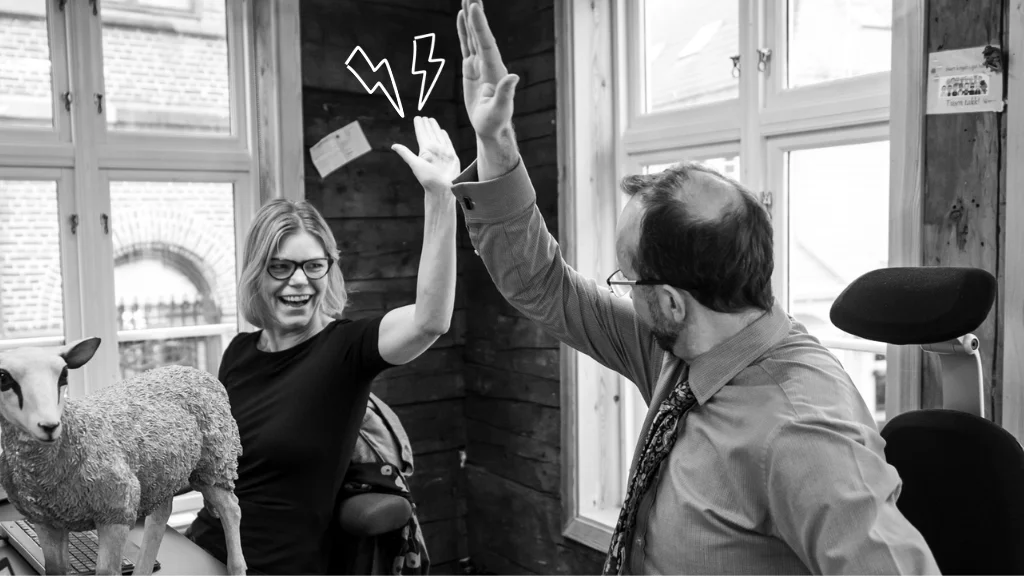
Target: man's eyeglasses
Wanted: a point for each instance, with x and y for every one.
(622, 286)
(314, 269)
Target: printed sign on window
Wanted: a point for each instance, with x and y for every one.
(969, 80)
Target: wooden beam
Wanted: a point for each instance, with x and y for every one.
(278, 84)
(906, 179)
(960, 211)
(1013, 261)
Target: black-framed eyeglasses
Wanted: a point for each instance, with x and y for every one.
(619, 285)
(314, 269)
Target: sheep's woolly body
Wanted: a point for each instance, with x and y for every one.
(125, 450)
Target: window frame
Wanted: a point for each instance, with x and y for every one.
(263, 158)
(1013, 270)
(600, 119)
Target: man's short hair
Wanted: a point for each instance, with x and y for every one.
(277, 220)
(725, 263)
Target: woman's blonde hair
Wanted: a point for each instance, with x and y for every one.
(278, 219)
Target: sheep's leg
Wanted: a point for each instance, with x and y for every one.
(54, 542)
(156, 525)
(226, 505)
(112, 538)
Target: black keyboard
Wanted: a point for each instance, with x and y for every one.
(82, 550)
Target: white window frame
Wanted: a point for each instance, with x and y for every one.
(1013, 270)
(262, 157)
(601, 124)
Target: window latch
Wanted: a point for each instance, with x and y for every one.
(62, 4)
(105, 220)
(67, 101)
(763, 56)
(766, 199)
(735, 65)
(74, 223)
(95, 8)
(99, 103)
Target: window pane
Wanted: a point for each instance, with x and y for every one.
(838, 230)
(165, 69)
(174, 273)
(687, 49)
(728, 166)
(31, 285)
(835, 39)
(26, 98)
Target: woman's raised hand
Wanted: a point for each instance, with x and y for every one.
(437, 164)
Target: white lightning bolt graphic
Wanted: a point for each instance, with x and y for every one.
(424, 91)
(396, 102)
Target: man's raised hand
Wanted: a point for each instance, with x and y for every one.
(488, 87)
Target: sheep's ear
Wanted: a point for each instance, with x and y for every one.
(76, 354)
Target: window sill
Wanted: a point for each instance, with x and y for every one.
(593, 529)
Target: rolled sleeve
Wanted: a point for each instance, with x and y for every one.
(494, 200)
(833, 500)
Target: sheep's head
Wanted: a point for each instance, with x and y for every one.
(33, 386)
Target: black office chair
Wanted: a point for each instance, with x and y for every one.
(963, 475)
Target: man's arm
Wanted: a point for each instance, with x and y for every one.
(833, 500)
(524, 262)
(509, 234)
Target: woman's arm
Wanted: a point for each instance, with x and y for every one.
(407, 332)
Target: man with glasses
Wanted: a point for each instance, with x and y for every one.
(758, 454)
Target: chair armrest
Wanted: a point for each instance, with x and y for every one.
(373, 514)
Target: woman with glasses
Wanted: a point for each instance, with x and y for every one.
(299, 384)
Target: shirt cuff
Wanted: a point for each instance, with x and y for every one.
(494, 200)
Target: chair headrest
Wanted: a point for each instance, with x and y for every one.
(915, 305)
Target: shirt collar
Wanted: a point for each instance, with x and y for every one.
(712, 370)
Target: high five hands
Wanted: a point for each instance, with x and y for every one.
(437, 163)
(488, 87)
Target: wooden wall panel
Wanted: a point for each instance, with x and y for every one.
(512, 406)
(963, 183)
(374, 206)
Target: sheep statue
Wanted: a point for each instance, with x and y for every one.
(113, 457)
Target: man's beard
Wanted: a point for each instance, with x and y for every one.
(666, 340)
(666, 333)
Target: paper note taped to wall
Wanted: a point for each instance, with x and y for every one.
(339, 148)
(963, 81)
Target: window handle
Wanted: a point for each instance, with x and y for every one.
(105, 220)
(735, 66)
(763, 56)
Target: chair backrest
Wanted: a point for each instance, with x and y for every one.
(963, 475)
(963, 488)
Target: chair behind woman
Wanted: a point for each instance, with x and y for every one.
(376, 512)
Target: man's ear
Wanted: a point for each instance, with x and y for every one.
(77, 353)
(673, 302)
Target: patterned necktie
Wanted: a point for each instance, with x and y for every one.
(659, 442)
